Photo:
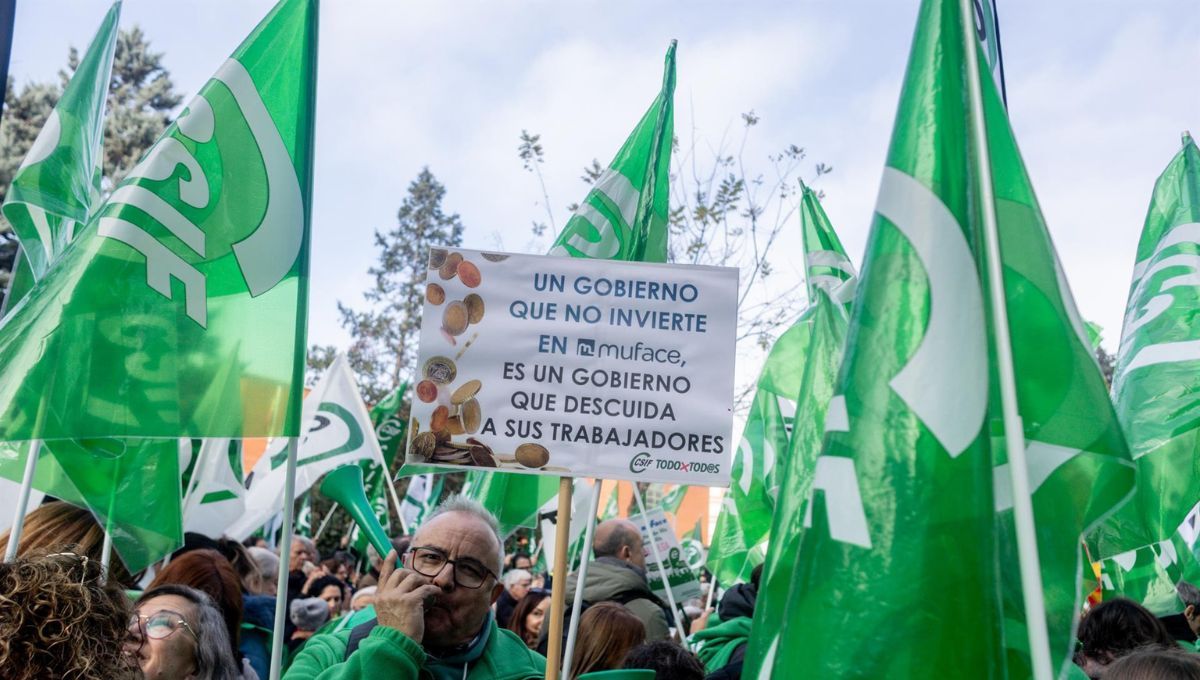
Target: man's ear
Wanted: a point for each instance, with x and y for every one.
(496, 590)
(1189, 611)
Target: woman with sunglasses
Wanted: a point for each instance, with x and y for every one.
(176, 632)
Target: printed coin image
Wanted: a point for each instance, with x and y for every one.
(454, 318)
(474, 305)
(424, 444)
(449, 268)
(495, 257)
(465, 391)
(441, 370)
(437, 258)
(469, 274)
(414, 425)
(443, 437)
(471, 415)
(455, 424)
(437, 421)
(532, 455)
(481, 457)
(427, 391)
(435, 294)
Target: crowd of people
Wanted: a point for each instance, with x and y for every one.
(447, 602)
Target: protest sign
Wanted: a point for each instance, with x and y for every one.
(684, 584)
(574, 367)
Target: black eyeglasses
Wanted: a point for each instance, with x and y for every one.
(468, 573)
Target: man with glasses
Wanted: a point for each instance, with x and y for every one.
(433, 611)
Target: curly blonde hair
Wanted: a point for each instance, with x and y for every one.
(59, 620)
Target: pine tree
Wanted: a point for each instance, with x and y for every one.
(140, 101)
(386, 333)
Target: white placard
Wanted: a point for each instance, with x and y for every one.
(684, 584)
(564, 366)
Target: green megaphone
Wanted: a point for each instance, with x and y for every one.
(344, 486)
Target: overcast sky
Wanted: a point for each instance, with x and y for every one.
(1099, 91)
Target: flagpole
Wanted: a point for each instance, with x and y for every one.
(289, 508)
(558, 590)
(391, 486)
(324, 522)
(18, 523)
(581, 578)
(662, 569)
(1014, 432)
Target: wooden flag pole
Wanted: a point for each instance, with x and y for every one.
(285, 554)
(558, 592)
(584, 554)
(14, 535)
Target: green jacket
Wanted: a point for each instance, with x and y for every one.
(715, 644)
(388, 653)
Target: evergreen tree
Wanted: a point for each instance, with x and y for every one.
(386, 333)
(140, 101)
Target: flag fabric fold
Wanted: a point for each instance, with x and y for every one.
(911, 496)
(197, 261)
(339, 433)
(1156, 386)
(744, 525)
(57, 185)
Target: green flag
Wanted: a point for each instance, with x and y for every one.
(390, 429)
(1156, 385)
(819, 368)
(55, 189)
(911, 496)
(623, 217)
(743, 527)
(161, 302)
(197, 261)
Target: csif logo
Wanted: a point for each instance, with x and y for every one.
(640, 462)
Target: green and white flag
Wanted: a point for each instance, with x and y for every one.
(911, 496)
(197, 261)
(390, 431)
(217, 496)
(56, 187)
(819, 368)
(421, 497)
(744, 525)
(623, 217)
(339, 433)
(1156, 382)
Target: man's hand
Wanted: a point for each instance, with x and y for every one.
(402, 597)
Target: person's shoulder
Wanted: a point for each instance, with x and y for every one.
(509, 658)
(319, 653)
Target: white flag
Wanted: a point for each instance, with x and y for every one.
(338, 431)
(217, 497)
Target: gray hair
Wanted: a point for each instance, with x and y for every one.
(309, 546)
(267, 561)
(514, 575)
(459, 503)
(1189, 593)
(214, 653)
